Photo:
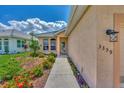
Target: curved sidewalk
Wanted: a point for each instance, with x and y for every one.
(61, 75)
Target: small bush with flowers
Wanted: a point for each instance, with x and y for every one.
(23, 81)
(20, 81)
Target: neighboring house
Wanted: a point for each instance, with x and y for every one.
(55, 42)
(12, 41)
(100, 61)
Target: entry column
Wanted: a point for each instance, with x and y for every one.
(58, 46)
(49, 44)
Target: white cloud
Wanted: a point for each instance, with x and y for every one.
(34, 24)
(3, 27)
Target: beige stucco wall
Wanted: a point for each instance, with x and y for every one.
(104, 59)
(82, 47)
(41, 42)
(95, 64)
(105, 17)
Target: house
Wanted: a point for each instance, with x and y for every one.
(96, 44)
(54, 41)
(12, 41)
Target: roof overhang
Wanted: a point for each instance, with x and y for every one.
(51, 35)
(76, 14)
(57, 33)
(46, 36)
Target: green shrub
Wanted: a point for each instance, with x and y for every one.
(12, 68)
(38, 54)
(47, 65)
(8, 77)
(25, 74)
(38, 71)
(33, 54)
(41, 55)
(11, 84)
(34, 45)
(52, 54)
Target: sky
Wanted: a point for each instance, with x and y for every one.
(38, 18)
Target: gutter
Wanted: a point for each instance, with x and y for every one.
(73, 14)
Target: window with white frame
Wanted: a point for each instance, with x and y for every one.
(45, 44)
(6, 45)
(53, 44)
(18, 43)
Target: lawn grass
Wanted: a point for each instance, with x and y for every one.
(7, 57)
(8, 64)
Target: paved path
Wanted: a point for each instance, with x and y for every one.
(61, 75)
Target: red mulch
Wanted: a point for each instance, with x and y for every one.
(32, 63)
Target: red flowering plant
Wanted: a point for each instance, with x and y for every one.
(23, 81)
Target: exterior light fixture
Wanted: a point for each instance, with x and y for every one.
(112, 34)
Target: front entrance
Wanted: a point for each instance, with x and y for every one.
(63, 51)
(63, 45)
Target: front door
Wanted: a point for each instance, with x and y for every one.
(63, 51)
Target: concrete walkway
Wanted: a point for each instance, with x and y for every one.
(61, 75)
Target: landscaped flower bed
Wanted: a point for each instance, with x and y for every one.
(25, 71)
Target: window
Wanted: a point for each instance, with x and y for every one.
(0, 44)
(6, 45)
(18, 43)
(23, 43)
(6, 42)
(53, 44)
(45, 44)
